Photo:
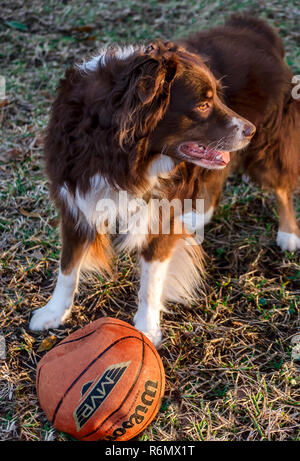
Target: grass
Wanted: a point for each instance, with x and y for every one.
(228, 359)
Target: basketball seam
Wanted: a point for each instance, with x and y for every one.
(159, 399)
(128, 393)
(92, 332)
(84, 371)
(158, 402)
(73, 340)
(76, 339)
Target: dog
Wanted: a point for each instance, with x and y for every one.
(166, 121)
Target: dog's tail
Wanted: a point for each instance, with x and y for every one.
(259, 26)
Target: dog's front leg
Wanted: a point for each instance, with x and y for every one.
(74, 248)
(154, 266)
(147, 318)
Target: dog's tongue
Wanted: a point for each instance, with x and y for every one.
(225, 156)
(211, 155)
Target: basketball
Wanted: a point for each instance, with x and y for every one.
(103, 382)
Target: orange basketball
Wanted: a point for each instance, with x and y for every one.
(103, 382)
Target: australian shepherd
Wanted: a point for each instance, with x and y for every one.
(166, 121)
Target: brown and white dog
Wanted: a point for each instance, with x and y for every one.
(163, 121)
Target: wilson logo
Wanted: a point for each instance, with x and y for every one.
(95, 392)
(139, 413)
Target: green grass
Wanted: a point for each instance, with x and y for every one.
(229, 368)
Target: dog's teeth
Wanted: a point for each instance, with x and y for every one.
(218, 157)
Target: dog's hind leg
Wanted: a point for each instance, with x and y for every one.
(288, 237)
(278, 169)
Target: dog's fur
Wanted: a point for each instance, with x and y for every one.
(133, 119)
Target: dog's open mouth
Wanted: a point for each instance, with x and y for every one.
(204, 156)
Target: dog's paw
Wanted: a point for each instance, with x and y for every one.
(151, 331)
(287, 241)
(155, 336)
(47, 317)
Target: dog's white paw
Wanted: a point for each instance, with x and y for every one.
(155, 336)
(151, 330)
(47, 317)
(288, 241)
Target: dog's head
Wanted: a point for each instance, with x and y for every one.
(171, 103)
(197, 126)
(122, 109)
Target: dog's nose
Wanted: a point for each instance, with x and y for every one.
(249, 130)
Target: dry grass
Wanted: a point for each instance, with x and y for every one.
(230, 373)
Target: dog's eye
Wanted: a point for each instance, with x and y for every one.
(203, 106)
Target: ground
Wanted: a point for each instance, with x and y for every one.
(230, 369)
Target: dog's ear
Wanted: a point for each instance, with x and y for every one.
(157, 75)
(143, 94)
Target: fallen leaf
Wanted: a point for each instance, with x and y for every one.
(54, 222)
(31, 214)
(86, 28)
(3, 102)
(47, 343)
(13, 153)
(29, 340)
